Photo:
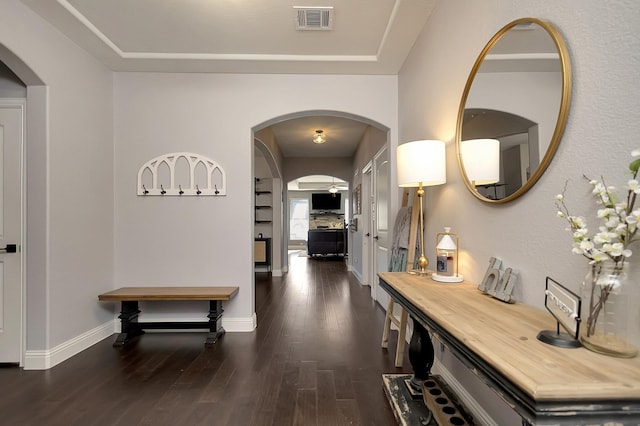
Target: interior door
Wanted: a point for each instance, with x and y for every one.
(11, 136)
(381, 237)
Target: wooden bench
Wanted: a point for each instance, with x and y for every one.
(130, 296)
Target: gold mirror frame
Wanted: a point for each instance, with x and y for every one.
(562, 114)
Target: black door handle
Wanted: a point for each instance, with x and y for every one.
(10, 248)
(367, 234)
(376, 237)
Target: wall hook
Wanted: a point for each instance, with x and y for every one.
(162, 191)
(198, 192)
(181, 191)
(145, 191)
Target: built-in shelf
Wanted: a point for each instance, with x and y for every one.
(263, 205)
(263, 218)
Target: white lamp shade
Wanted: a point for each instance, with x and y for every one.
(481, 160)
(447, 243)
(421, 161)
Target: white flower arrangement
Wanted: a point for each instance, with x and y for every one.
(609, 248)
(619, 225)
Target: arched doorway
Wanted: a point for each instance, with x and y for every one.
(297, 156)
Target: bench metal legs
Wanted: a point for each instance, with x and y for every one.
(215, 322)
(130, 327)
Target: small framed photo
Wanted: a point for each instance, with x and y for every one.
(357, 199)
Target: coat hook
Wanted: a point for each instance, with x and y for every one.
(162, 191)
(216, 189)
(145, 191)
(198, 192)
(181, 191)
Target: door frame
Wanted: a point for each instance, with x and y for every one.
(367, 246)
(379, 295)
(21, 104)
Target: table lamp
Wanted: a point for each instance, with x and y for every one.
(421, 163)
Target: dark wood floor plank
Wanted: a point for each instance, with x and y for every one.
(214, 390)
(314, 359)
(287, 394)
(348, 414)
(306, 408)
(327, 403)
(343, 383)
(307, 378)
(266, 402)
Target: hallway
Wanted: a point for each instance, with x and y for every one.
(315, 359)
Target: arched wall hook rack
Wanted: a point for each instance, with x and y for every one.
(182, 173)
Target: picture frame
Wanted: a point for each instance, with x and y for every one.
(357, 200)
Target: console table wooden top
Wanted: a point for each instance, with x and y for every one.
(169, 293)
(503, 339)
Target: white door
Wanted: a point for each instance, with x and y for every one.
(381, 237)
(11, 302)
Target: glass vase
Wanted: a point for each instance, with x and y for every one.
(607, 309)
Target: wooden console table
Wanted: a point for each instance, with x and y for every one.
(497, 341)
(130, 296)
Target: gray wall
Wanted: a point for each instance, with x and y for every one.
(213, 114)
(601, 132)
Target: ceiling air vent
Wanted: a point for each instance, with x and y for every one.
(314, 18)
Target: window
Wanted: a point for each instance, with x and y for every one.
(298, 218)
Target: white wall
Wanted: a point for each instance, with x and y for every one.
(199, 241)
(602, 130)
(69, 178)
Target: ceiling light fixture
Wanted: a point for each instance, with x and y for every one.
(333, 188)
(319, 137)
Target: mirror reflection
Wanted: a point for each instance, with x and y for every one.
(518, 93)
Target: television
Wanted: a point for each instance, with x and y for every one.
(325, 201)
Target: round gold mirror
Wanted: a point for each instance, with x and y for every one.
(518, 93)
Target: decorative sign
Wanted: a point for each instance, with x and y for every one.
(498, 283)
(565, 307)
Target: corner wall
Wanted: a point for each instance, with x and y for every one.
(69, 190)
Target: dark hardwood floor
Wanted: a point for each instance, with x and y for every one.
(315, 359)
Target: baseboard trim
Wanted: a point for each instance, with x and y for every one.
(48, 358)
(470, 404)
(240, 325)
(357, 274)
